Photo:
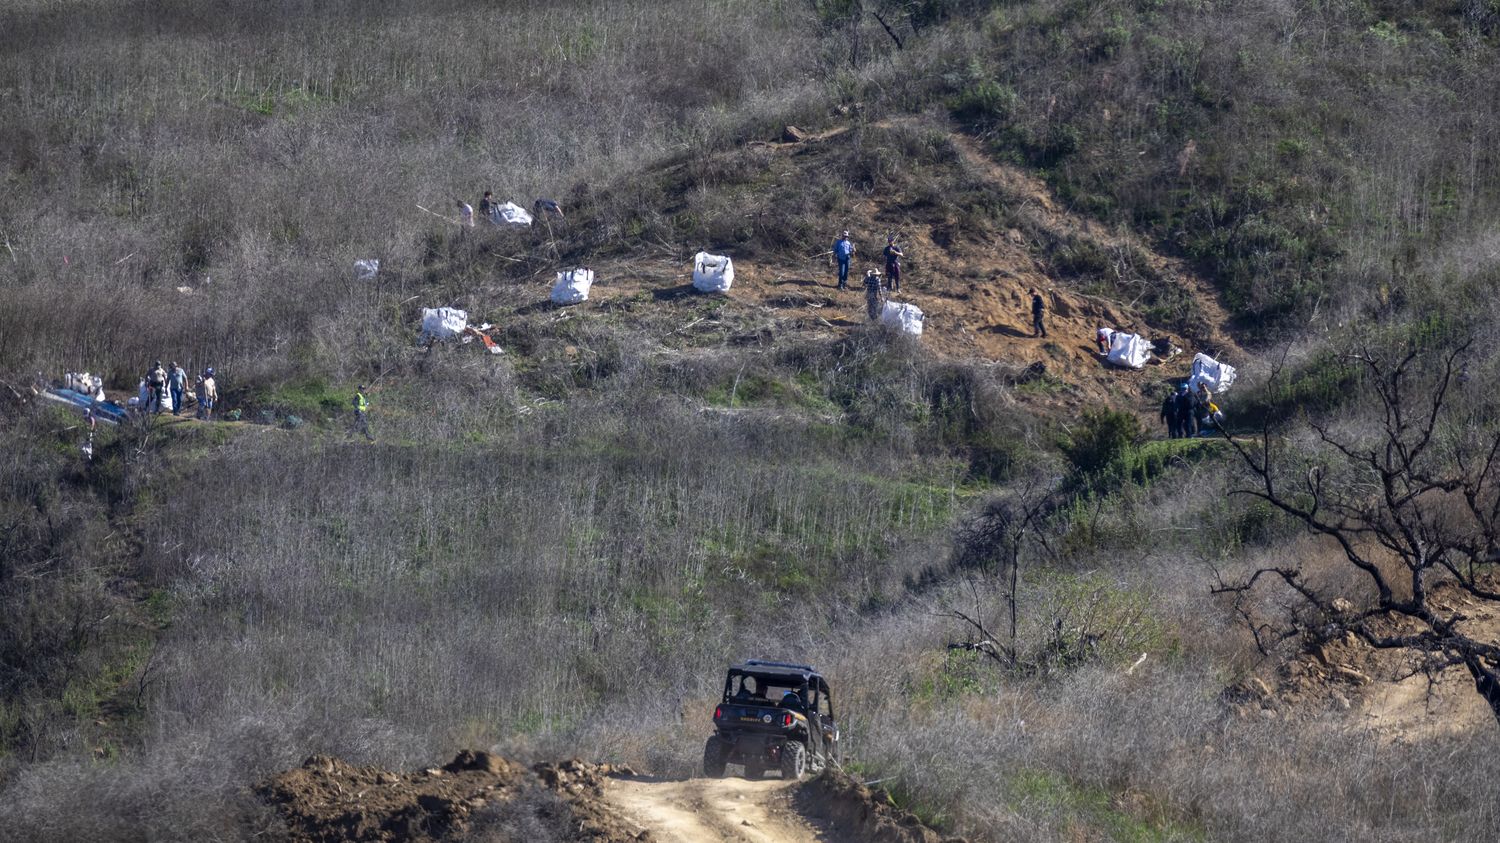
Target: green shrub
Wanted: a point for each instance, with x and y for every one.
(1100, 439)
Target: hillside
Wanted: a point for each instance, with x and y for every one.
(1039, 617)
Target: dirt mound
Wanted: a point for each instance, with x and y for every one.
(1387, 691)
(856, 812)
(327, 799)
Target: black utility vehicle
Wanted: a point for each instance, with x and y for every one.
(773, 715)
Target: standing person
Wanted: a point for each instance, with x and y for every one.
(210, 395)
(176, 384)
(872, 294)
(1169, 415)
(465, 213)
(198, 396)
(843, 250)
(487, 207)
(546, 206)
(1204, 401)
(1187, 412)
(362, 413)
(893, 256)
(156, 383)
(1038, 310)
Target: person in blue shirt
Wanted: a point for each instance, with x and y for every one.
(843, 250)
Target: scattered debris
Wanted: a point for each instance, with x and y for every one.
(510, 215)
(366, 270)
(443, 323)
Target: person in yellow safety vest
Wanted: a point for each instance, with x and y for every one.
(361, 413)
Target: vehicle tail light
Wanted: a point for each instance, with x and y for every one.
(786, 719)
(718, 712)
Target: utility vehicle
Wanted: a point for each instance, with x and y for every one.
(773, 715)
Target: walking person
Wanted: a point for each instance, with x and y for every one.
(843, 251)
(893, 256)
(465, 213)
(176, 384)
(872, 294)
(198, 396)
(1169, 415)
(1038, 311)
(210, 397)
(156, 385)
(362, 413)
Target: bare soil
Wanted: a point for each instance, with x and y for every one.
(327, 800)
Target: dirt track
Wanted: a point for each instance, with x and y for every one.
(729, 809)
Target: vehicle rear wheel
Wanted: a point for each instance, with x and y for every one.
(715, 756)
(793, 761)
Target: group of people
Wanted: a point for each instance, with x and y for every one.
(166, 389)
(489, 210)
(1188, 412)
(843, 252)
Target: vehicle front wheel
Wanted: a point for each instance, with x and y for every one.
(715, 756)
(793, 761)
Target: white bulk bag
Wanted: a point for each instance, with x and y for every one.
(907, 317)
(443, 323)
(1129, 350)
(572, 287)
(366, 270)
(512, 215)
(712, 273)
(1206, 370)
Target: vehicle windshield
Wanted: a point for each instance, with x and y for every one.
(764, 690)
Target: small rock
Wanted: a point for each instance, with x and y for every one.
(433, 771)
(792, 134)
(1341, 701)
(1258, 686)
(1267, 714)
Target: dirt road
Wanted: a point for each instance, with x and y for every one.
(729, 809)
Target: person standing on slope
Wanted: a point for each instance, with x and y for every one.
(872, 294)
(893, 256)
(465, 213)
(1038, 311)
(1187, 412)
(843, 251)
(209, 395)
(156, 383)
(1169, 415)
(487, 207)
(362, 413)
(176, 385)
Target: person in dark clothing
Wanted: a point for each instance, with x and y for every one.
(1169, 415)
(1187, 412)
(487, 207)
(547, 206)
(872, 294)
(1038, 310)
(893, 256)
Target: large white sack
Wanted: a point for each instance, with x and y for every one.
(907, 317)
(1129, 350)
(443, 323)
(513, 215)
(366, 270)
(572, 286)
(1218, 376)
(712, 273)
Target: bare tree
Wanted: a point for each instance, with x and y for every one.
(994, 541)
(1413, 504)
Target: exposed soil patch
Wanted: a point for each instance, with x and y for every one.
(327, 799)
(853, 811)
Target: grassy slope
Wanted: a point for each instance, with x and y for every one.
(559, 550)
